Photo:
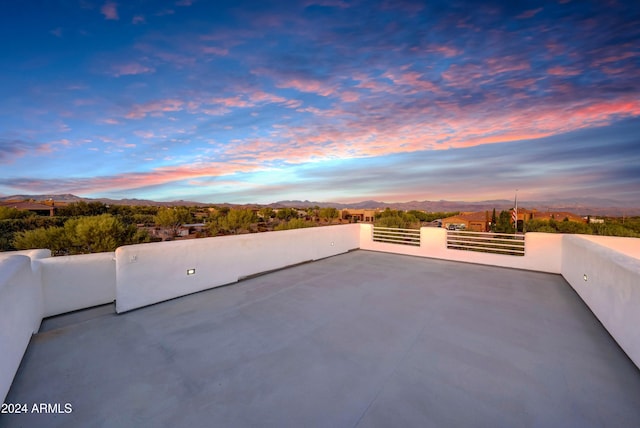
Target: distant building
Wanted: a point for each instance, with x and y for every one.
(191, 228)
(473, 221)
(481, 221)
(358, 215)
(548, 215)
(48, 209)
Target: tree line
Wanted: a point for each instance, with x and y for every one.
(412, 219)
(88, 227)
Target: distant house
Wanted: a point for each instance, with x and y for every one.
(191, 228)
(474, 221)
(34, 207)
(358, 215)
(548, 215)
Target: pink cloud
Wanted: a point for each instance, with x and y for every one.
(130, 69)
(349, 96)
(529, 13)
(463, 75)
(521, 83)
(144, 134)
(307, 85)
(158, 107)
(110, 11)
(135, 180)
(446, 51)
(562, 71)
(506, 65)
(232, 102)
(260, 96)
(412, 80)
(372, 84)
(138, 19)
(615, 58)
(212, 50)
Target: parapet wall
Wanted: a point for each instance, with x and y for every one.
(76, 282)
(608, 281)
(543, 250)
(20, 314)
(151, 273)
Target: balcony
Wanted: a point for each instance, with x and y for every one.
(388, 335)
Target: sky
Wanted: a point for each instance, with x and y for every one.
(322, 100)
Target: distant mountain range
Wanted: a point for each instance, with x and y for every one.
(580, 206)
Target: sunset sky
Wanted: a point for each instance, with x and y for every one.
(326, 100)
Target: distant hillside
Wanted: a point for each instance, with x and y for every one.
(580, 206)
(69, 198)
(58, 198)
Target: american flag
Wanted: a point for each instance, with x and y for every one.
(514, 213)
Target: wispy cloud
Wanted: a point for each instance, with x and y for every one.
(130, 69)
(529, 13)
(10, 150)
(157, 107)
(110, 11)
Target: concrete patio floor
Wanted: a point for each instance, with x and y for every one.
(362, 339)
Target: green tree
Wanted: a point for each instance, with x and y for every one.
(231, 221)
(398, 219)
(287, 213)
(9, 213)
(294, 223)
(493, 220)
(101, 233)
(504, 225)
(173, 218)
(267, 213)
(82, 208)
(420, 215)
(328, 214)
(8, 228)
(240, 219)
(52, 238)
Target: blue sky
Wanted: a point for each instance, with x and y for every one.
(327, 100)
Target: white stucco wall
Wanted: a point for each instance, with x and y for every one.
(33, 254)
(75, 282)
(543, 250)
(151, 273)
(20, 314)
(611, 289)
(628, 246)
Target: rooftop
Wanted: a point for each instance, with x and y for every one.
(361, 339)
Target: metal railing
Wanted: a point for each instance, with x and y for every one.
(486, 242)
(395, 235)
